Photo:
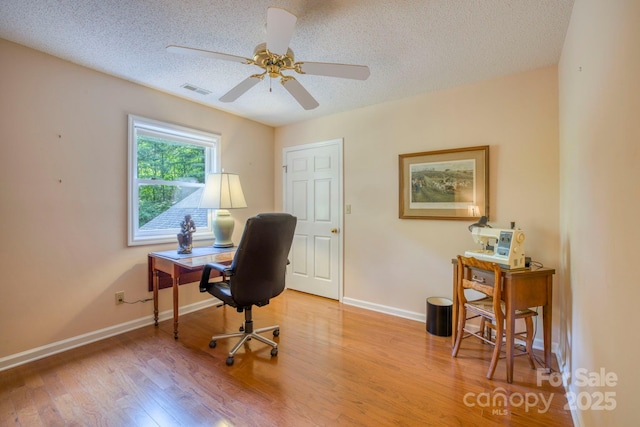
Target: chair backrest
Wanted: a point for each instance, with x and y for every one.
(259, 265)
(476, 274)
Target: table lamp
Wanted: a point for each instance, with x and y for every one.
(222, 191)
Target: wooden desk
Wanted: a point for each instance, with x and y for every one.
(521, 289)
(181, 269)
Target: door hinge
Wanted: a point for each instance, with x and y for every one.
(285, 168)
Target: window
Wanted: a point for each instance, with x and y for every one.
(167, 169)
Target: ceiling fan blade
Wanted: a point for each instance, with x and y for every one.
(345, 71)
(280, 24)
(240, 89)
(301, 95)
(206, 53)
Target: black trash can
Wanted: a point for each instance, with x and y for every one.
(439, 312)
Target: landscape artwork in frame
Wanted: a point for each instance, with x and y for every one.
(445, 184)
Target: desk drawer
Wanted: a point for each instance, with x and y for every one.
(483, 276)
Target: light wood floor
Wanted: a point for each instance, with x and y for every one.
(337, 366)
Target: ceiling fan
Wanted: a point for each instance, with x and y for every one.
(274, 57)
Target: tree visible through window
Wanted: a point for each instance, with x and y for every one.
(168, 166)
(162, 160)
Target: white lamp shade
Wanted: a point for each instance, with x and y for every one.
(223, 191)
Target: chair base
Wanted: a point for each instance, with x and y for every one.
(246, 333)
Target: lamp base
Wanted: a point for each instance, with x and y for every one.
(223, 225)
(220, 245)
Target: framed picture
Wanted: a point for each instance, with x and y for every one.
(445, 184)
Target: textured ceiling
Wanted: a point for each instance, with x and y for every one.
(411, 46)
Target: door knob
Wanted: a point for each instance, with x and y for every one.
(335, 230)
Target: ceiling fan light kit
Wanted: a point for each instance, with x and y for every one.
(274, 56)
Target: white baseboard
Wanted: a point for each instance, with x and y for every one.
(386, 309)
(80, 340)
(569, 388)
(538, 343)
(17, 359)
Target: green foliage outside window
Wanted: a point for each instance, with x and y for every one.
(164, 160)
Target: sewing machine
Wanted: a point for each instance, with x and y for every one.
(507, 249)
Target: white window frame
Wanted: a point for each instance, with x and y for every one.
(211, 141)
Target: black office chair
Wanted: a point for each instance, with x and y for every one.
(256, 274)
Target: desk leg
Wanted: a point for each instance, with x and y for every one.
(155, 297)
(510, 327)
(454, 308)
(546, 324)
(176, 281)
(152, 277)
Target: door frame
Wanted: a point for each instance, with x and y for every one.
(340, 143)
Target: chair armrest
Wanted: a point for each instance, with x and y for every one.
(225, 270)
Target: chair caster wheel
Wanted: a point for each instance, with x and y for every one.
(276, 332)
(274, 352)
(229, 361)
(212, 344)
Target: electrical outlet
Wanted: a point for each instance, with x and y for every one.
(120, 297)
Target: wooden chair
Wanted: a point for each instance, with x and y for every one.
(486, 278)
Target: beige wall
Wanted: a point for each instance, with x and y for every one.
(398, 263)
(599, 93)
(63, 192)
(63, 195)
(64, 243)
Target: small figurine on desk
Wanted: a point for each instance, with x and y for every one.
(185, 241)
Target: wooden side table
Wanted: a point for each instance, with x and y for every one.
(523, 288)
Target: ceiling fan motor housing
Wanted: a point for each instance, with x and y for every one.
(273, 63)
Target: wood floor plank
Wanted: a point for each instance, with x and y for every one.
(8, 416)
(25, 409)
(337, 366)
(46, 408)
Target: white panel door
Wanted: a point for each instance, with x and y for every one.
(312, 192)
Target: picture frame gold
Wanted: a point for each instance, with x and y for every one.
(445, 184)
